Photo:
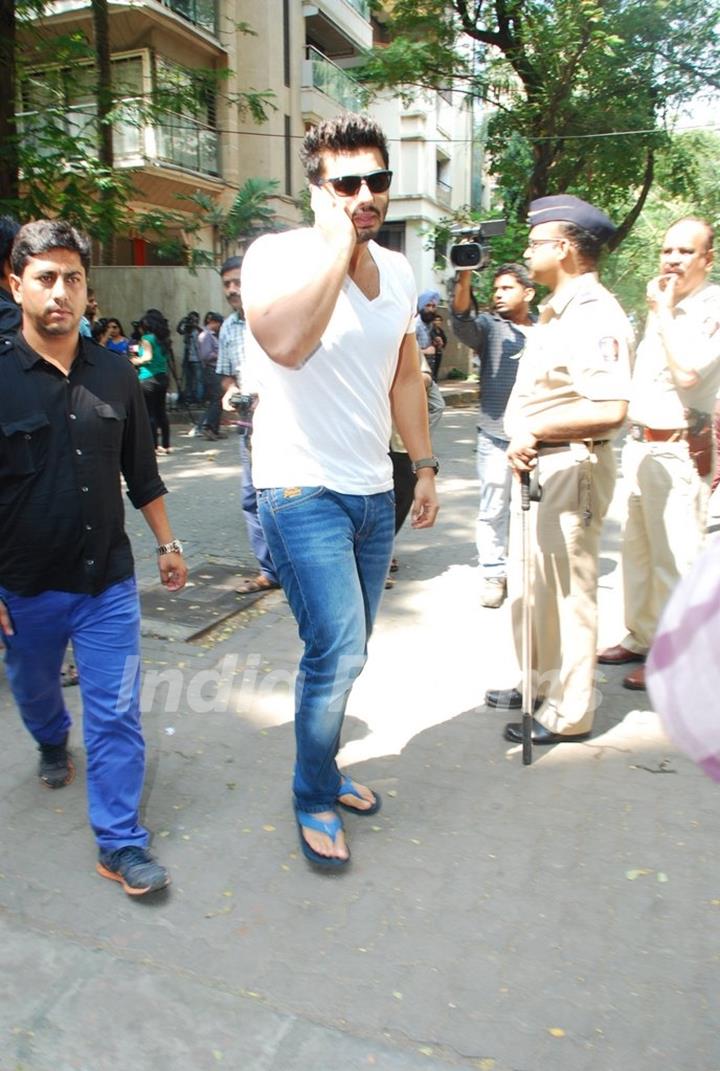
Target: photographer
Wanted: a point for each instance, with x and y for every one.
(498, 337)
(189, 328)
(230, 368)
(208, 348)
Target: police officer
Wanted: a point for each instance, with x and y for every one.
(667, 460)
(570, 396)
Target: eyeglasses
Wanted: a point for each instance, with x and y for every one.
(348, 185)
(532, 242)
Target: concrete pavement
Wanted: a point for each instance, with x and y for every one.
(561, 917)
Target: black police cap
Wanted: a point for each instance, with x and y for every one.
(564, 208)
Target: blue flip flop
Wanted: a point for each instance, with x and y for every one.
(347, 788)
(305, 820)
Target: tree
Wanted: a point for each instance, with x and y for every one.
(62, 161)
(249, 215)
(579, 90)
(8, 129)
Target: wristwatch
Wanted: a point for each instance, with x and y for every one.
(427, 463)
(173, 547)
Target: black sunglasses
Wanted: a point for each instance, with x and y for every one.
(348, 185)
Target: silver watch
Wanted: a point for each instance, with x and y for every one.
(173, 547)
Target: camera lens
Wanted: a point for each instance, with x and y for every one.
(466, 255)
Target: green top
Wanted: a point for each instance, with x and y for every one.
(157, 363)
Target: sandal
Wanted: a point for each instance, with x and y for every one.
(305, 820)
(257, 583)
(347, 788)
(394, 566)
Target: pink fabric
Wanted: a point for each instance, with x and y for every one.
(683, 667)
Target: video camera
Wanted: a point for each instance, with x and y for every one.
(243, 404)
(474, 255)
(189, 323)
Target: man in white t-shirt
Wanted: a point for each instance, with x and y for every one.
(332, 355)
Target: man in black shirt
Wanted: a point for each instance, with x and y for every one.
(72, 421)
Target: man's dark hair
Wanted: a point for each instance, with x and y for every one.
(9, 227)
(34, 239)
(230, 264)
(216, 316)
(518, 272)
(587, 245)
(344, 133)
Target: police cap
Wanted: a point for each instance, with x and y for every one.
(564, 208)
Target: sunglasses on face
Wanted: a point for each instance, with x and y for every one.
(348, 185)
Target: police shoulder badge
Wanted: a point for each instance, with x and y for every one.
(609, 349)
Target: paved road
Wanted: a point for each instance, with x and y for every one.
(562, 917)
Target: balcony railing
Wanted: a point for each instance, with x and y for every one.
(177, 140)
(361, 6)
(332, 80)
(199, 12)
(443, 193)
(187, 143)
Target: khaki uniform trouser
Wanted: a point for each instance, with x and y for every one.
(664, 532)
(577, 487)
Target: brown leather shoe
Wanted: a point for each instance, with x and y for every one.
(635, 681)
(618, 656)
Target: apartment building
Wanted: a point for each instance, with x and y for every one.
(300, 51)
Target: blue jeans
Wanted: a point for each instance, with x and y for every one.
(332, 553)
(493, 519)
(255, 532)
(105, 634)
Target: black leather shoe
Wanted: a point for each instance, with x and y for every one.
(507, 699)
(540, 735)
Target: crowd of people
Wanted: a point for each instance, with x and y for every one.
(326, 357)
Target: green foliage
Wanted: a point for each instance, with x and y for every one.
(178, 233)
(56, 150)
(578, 90)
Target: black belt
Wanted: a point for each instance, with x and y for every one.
(590, 443)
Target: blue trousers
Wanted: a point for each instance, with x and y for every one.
(332, 553)
(105, 634)
(258, 542)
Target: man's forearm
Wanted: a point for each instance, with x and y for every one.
(290, 327)
(156, 518)
(679, 350)
(462, 294)
(410, 415)
(581, 419)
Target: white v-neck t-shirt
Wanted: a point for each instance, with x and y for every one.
(328, 422)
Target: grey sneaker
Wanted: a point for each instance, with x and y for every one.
(493, 592)
(136, 870)
(55, 768)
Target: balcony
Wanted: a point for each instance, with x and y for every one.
(443, 194)
(198, 12)
(341, 28)
(176, 141)
(321, 76)
(361, 6)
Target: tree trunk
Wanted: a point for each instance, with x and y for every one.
(629, 222)
(9, 182)
(105, 101)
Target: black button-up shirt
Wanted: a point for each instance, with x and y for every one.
(64, 443)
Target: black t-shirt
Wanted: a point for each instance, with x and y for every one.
(65, 441)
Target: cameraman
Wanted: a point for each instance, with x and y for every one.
(189, 328)
(498, 337)
(230, 368)
(208, 348)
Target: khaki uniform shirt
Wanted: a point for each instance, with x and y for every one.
(582, 348)
(655, 400)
